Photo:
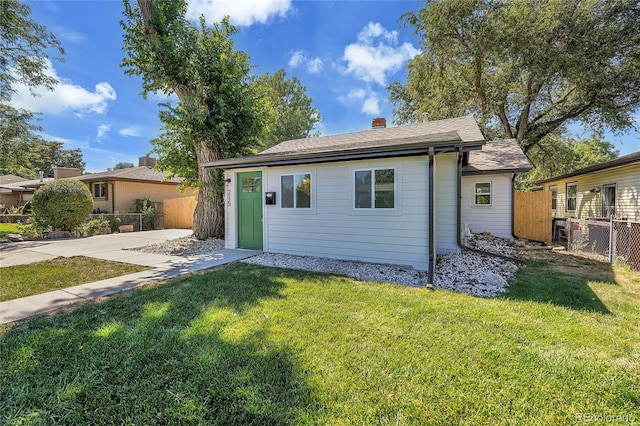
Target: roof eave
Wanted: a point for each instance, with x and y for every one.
(613, 164)
(343, 155)
(494, 171)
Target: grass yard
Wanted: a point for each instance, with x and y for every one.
(251, 345)
(35, 278)
(10, 228)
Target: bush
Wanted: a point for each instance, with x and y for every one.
(95, 226)
(62, 205)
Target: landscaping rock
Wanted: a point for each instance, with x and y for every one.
(469, 272)
(14, 238)
(125, 228)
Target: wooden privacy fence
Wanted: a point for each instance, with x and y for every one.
(532, 215)
(178, 212)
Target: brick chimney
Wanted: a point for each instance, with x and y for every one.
(146, 162)
(379, 123)
(65, 172)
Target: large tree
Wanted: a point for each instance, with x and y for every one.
(25, 47)
(217, 115)
(559, 153)
(524, 68)
(292, 114)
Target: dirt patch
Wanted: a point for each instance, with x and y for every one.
(569, 263)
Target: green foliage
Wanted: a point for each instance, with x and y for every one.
(94, 226)
(291, 115)
(557, 154)
(24, 48)
(524, 68)
(62, 205)
(10, 228)
(146, 207)
(123, 165)
(24, 53)
(218, 113)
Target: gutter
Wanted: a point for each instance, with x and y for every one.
(432, 245)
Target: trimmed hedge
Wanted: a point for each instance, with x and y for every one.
(62, 205)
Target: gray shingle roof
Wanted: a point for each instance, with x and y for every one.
(498, 155)
(464, 129)
(131, 173)
(412, 139)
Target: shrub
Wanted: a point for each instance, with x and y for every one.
(62, 205)
(94, 226)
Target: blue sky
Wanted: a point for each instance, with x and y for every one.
(344, 52)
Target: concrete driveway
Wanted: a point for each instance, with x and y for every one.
(108, 247)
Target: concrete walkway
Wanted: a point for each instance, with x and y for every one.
(109, 247)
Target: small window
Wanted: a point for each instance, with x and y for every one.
(483, 194)
(554, 197)
(375, 189)
(99, 190)
(251, 184)
(572, 196)
(296, 191)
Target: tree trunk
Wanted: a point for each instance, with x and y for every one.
(208, 217)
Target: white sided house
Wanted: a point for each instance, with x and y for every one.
(386, 195)
(609, 189)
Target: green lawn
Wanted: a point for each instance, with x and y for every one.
(10, 228)
(251, 345)
(35, 278)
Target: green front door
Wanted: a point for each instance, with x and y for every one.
(250, 210)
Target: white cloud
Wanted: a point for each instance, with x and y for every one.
(103, 129)
(241, 12)
(376, 54)
(65, 96)
(368, 99)
(314, 66)
(371, 105)
(296, 59)
(69, 35)
(130, 132)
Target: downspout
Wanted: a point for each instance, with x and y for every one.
(113, 197)
(432, 248)
(459, 198)
(513, 207)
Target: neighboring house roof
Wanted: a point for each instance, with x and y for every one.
(412, 139)
(140, 174)
(497, 156)
(617, 162)
(10, 179)
(26, 185)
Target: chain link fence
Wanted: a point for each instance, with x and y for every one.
(135, 221)
(606, 240)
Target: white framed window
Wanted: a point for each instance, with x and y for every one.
(374, 188)
(99, 190)
(554, 196)
(572, 196)
(482, 194)
(295, 190)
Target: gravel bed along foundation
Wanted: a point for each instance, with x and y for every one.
(468, 272)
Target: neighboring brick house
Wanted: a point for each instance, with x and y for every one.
(115, 191)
